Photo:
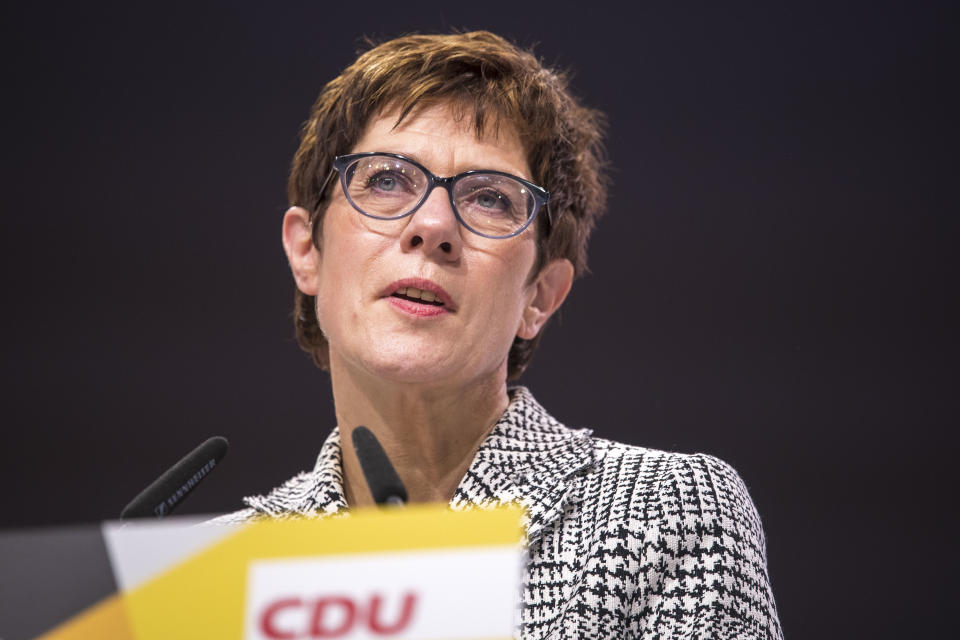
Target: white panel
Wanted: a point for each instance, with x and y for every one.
(458, 593)
(140, 550)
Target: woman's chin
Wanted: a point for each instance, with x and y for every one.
(414, 370)
(422, 367)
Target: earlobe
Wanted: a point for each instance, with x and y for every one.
(301, 253)
(550, 289)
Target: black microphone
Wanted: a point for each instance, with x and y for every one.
(167, 492)
(382, 478)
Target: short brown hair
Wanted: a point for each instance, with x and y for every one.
(494, 79)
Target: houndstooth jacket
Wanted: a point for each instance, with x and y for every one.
(624, 542)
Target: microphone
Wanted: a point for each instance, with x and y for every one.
(382, 478)
(167, 492)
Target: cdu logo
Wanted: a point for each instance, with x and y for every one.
(337, 616)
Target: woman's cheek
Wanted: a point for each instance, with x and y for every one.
(318, 310)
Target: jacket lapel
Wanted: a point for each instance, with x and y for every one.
(531, 459)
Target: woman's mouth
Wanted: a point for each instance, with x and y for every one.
(418, 295)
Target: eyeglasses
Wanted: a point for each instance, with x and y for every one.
(387, 186)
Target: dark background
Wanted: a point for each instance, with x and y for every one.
(773, 283)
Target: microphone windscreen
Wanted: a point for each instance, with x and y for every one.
(385, 485)
(167, 492)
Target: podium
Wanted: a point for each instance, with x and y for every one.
(416, 572)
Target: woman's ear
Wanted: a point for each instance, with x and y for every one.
(303, 256)
(549, 291)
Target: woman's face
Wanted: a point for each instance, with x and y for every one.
(373, 322)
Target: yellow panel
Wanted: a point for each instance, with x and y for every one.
(106, 619)
(205, 596)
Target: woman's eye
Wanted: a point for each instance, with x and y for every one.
(492, 200)
(487, 200)
(383, 182)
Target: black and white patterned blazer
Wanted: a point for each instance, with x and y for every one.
(624, 542)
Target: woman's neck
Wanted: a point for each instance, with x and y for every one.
(430, 433)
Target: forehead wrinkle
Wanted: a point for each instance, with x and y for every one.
(439, 149)
(457, 109)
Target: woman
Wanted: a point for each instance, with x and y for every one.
(443, 194)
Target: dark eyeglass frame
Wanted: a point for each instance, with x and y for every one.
(541, 196)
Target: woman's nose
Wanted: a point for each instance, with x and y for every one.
(434, 228)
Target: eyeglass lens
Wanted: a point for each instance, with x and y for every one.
(387, 187)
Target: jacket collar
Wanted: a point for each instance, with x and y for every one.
(313, 494)
(528, 458)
